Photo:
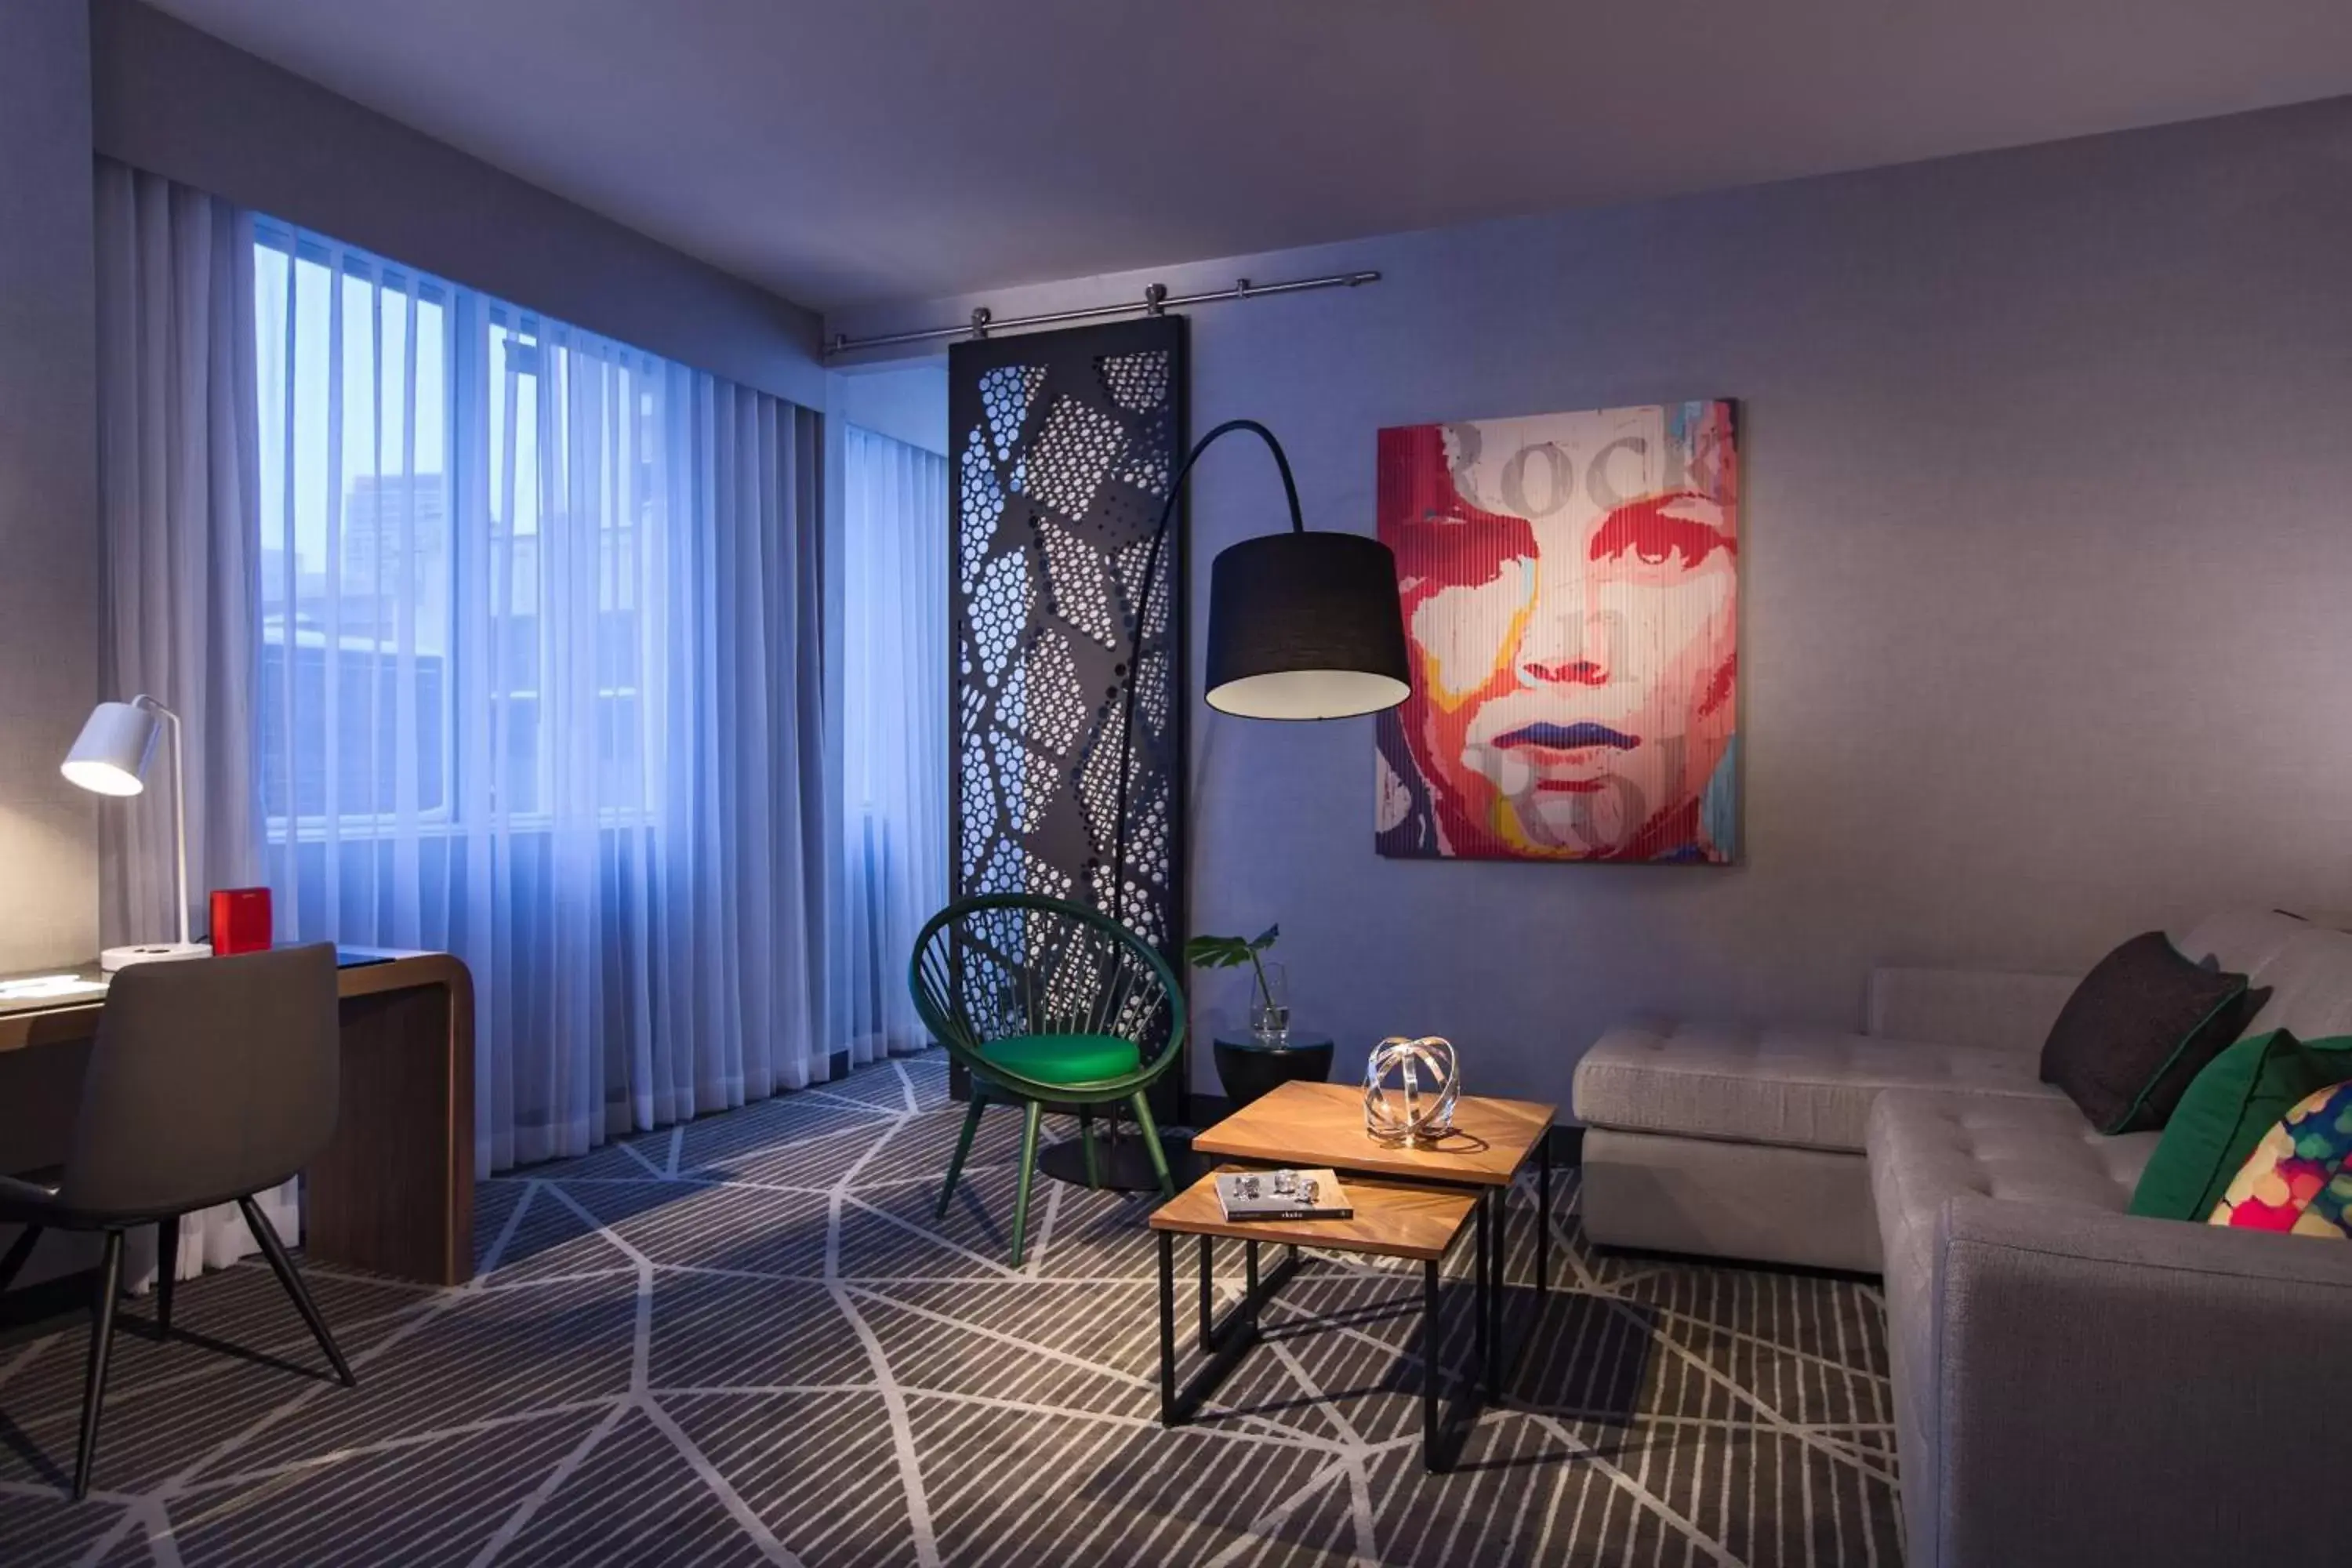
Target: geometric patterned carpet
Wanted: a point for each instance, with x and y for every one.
(747, 1341)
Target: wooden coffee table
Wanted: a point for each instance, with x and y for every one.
(1310, 1124)
(1392, 1219)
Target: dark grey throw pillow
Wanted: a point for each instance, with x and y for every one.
(2138, 1030)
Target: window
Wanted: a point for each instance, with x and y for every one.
(357, 570)
(458, 505)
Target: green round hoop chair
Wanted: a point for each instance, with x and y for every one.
(1046, 1003)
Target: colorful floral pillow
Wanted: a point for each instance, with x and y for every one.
(2300, 1177)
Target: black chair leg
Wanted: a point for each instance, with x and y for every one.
(18, 1250)
(102, 1342)
(275, 1250)
(167, 1272)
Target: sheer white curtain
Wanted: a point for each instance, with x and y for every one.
(894, 733)
(541, 633)
(176, 495)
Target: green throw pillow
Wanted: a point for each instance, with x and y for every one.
(2239, 1096)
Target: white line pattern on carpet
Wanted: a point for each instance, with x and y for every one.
(749, 1339)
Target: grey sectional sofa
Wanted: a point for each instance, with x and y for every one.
(2072, 1384)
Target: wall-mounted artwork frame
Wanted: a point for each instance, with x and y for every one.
(1571, 585)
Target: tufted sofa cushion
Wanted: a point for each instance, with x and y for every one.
(2310, 983)
(1806, 1088)
(2245, 941)
(1927, 1148)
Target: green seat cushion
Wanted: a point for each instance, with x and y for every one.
(2241, 1094)
(1070, 1059)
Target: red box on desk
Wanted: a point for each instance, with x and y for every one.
(241, 921)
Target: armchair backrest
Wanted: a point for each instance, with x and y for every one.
(1003, 965)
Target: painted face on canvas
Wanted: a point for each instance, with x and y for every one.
(1570, 593)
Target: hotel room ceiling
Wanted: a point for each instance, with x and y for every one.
(901, 149)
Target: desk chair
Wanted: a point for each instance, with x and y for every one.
(210, 1080)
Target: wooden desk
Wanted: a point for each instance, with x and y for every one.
(394, 1193)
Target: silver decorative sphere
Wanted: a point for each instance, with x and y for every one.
(1410, 1088)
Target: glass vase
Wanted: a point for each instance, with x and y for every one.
(1269, 1008)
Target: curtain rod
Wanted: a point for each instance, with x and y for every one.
(1155, 301)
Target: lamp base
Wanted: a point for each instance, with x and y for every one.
(115, 958)
(1126, 1165)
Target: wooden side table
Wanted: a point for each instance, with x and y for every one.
(1392, 1219)
(1310, 1124)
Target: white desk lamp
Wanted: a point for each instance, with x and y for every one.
(109, 759)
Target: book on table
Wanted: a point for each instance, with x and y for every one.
(1283, 1194)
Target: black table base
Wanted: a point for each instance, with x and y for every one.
(1226, 1341)
(1492, 1242)
(1496, 1357)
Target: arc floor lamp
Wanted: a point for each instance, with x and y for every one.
(1302, 625)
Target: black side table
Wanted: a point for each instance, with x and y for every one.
(1249, 1067)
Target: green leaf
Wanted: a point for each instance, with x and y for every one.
(1216, 951)
(1228, 952)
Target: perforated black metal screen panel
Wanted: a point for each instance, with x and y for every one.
(1063, 447)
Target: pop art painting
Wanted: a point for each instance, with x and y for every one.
(1571, 585)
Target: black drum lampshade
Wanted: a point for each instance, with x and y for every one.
(1301, 626)
(1306, 626)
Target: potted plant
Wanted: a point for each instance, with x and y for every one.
(1271, 1056)
(1269, 1010)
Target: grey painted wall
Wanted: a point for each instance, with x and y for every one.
(182, 104)
(49, 485)
(48, 558)
(908, 403)
(2048, 556)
